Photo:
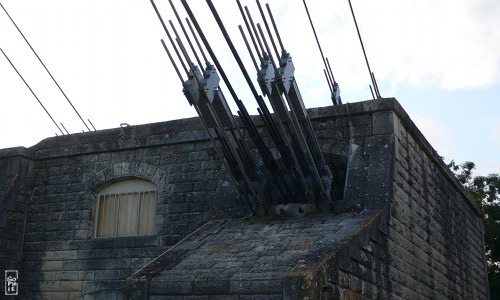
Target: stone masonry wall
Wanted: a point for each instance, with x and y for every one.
(62, 259)
(436, 232)
(15, 176)
(426, 243)
(422, 239)
(360, 131)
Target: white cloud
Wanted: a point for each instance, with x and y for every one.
(422, 43)
(452, 44)
(108, 58)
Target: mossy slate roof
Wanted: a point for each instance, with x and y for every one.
(250, 256)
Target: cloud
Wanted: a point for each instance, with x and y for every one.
(420, 43)
(450, 44)
(111, 64)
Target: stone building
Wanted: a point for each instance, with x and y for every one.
(148, 212)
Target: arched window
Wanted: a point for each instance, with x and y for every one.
(126, 208)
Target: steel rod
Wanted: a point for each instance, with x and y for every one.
(316, 37)
(232, 48)
(197, 41)
(92, 124)
(249, 29)
(275, 27)
(243, 150)
(283, 148)
(45, 67)
(172, 61)
(267, 156)
(209, 49)
(64, 127)
(308, 128)
(328, 81)
(298, 131)
(283, 118)
(169, 37)
(274, 134)
(237, 129)
(268, 31)
(178, 40)
(329, 70)
(267, 46)
(221, 156)
(222, 131)
(254, 29)
(363, 47)
(185, 33)
(248, 48)
(27, 85)
(377, 91)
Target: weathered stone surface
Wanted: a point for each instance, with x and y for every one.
(246, 256)
(404, 227)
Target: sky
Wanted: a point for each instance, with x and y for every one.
(440, 59)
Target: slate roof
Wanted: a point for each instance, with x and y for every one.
(249, 256)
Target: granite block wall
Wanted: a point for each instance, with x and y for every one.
(426, 243)
(436, 228)
(61, 257)
(15, 181)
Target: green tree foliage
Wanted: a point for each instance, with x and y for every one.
(486, 192)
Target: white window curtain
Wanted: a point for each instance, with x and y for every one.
(125, 214)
